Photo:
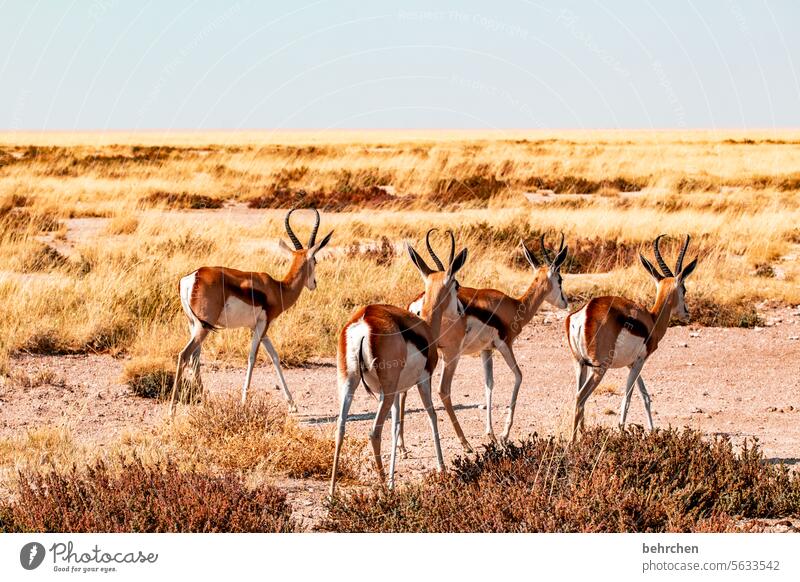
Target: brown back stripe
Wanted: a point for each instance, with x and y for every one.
(419, 341)
(487, 318)
(250, 296)
(632, 325)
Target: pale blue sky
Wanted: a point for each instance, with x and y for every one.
(111, 64)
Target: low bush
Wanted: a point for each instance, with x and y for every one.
(710, 313)
(223, 434)
(332, 201)
(612, 480)
(138, 498)
(180, 200)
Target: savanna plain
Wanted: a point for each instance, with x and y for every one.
(97, 229)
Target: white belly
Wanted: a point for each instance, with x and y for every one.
(478, 336)
(237, 313)
(413, 368)
(627, 349)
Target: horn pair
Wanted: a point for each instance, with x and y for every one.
(548, 258)
(665, 271)
(435, 258)
(293, 237)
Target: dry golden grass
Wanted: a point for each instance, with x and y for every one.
(72, 282)
(258, 442)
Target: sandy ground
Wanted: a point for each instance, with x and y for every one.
(737, 382)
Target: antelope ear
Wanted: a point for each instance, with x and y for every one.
(321, 244)
(456, 265)
(529, 255)
(650, 268)
(560, 258)
(419, 262)
(687, 270)
(285, 249)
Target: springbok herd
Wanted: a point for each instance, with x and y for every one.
(389, 349)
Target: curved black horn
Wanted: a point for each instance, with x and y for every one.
(452, 247)
(679, 264)
(561, 244)
(290, 232)
(313, 238)
(547, 256)
(436, 260)
(661, 263)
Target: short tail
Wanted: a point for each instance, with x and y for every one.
(360, 360)
(203, 323)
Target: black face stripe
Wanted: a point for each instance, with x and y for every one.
(488, 318)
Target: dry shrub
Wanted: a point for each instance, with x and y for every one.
(180, 200)
(123, 224)
(596, 255)
(333, 201)
(224, 434)
(47, 342)
(153, 378)
(476, 188)
(736, 313)
(35, 379)
(139, 498)
(37, 257)
(580, 185)
(381, 253)
(611, 481)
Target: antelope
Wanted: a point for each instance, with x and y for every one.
(489, 320)
(215, 298)
(613, 332)
(389, 349)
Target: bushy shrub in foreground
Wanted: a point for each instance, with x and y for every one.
(139, 498)
(610, 481)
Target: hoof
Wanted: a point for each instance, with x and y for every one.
(491, 437)
(292, 408)
(468, 448)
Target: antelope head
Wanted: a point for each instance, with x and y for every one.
(304, 259)
(670, 289)
(549, 270)
(441, 286)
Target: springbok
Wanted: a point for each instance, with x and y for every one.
(216, 298)
(390, 349)
(613, 332)
(489, 320)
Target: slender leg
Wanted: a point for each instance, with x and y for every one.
(346, 391)
(276, 361)
(377, 429)
(508, 353)
(646, 399)
(183, 358)
(258, 331)
(582, 396)
(401, 444)
(488, 377)
(424, 388)
(194, 362)
(445, 385)
(635, 370)
(395, 435)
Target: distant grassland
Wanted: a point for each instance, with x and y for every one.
(97, 228)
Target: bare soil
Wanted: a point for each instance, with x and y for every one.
(738, 382)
